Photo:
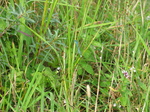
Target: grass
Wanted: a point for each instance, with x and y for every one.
(74, 56)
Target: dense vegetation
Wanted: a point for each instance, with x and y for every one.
(74, 56)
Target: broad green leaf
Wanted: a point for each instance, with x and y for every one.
(96, 44)
(87, 54)
(3, 25)
(88, 68)
(123, 100)
(142, 85)
(105, 83)
(80, 71)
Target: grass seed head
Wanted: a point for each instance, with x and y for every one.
(88, 90)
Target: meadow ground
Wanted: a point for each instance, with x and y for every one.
(74, 55)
